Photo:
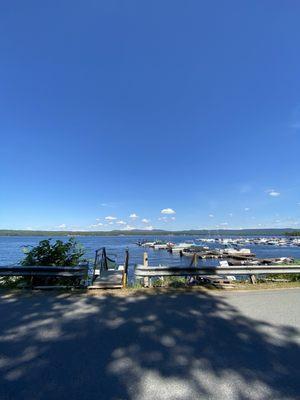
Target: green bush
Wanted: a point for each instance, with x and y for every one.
(46, 253)
(59, 253)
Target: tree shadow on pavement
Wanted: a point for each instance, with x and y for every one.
(192, 345)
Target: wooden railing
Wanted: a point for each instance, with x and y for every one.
(146, 272)
(154, 271)
(79, 272)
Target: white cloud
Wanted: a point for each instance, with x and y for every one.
(211, 215)
(167, 211)
(224, 223)
(246, 209)
(145, 220)
(230, 214)
(110, 218)
(173, 218)
(149, 228)
(112, 205)
(29, 228)
(128, 228)
(121, 222)
(62, 226)
(273, 193)
(133, 216)
(96, 225)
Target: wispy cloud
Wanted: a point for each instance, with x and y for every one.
(109, 204)
(121, 222)
(167, 211)
(145, 220)
(62, 226)
(246, 209)
(133, 216)
(96, 225)
(110, 218)
(273, 193)
(211, 215)
(163, 219)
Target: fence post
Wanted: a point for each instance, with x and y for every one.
(125, 273)
(253, 279)
(105, 258)
(145, 260)
(196, 260)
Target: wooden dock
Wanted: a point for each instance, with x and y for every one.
(110, 279)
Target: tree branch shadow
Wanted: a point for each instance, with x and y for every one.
(166, 346)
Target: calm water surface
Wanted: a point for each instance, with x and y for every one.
(11, 249)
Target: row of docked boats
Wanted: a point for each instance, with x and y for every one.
(172, 247)
(259, 241)
(234, 255)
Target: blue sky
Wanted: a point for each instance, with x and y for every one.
(164, 114)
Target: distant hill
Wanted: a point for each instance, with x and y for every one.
(156, 232)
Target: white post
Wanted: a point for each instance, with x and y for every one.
(146, 279)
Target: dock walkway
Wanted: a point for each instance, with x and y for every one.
(110, 279)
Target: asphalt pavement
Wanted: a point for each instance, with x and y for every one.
(171, 346)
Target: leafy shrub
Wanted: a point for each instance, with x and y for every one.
(46, 253)
(57, 254)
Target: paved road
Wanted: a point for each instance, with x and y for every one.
(177, 346)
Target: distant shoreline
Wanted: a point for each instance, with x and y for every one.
(137, 232)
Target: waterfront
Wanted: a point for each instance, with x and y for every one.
(11, 249)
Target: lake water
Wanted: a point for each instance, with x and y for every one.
(11, 249)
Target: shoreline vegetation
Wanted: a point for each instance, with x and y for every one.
(154, 232)
(135, 289)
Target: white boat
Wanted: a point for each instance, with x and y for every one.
(181, 246)
(161, 246)
(237, 251)
(148, 244)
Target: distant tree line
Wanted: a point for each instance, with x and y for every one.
(294, 233)
(156, 232)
